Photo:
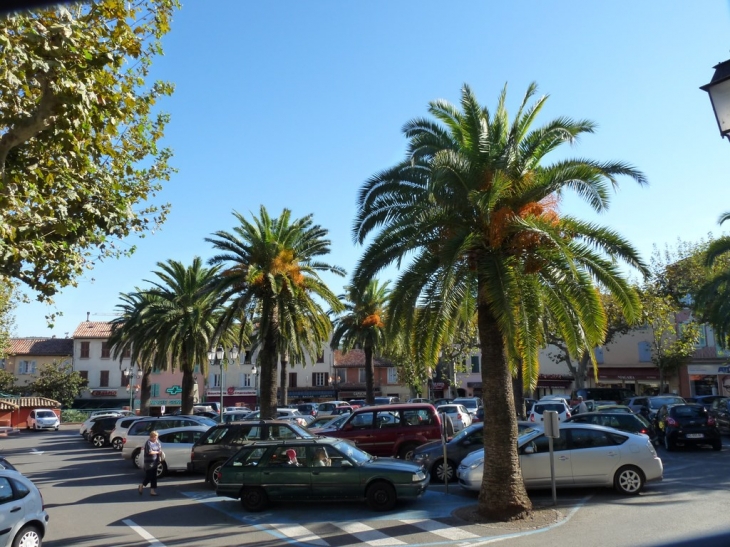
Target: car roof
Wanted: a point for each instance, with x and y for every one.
(396, 406)
(284, 442)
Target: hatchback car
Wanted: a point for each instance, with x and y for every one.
(142, 428)
(309, 409)
(261, 473)
(472, 404)
(557, 405)
(720, 411)
(687, 424)
(23, 519)
(391, 430)
(84, 429)
(101, 429)
(325, 409)
(177, 444)
(120, 430)
(42, 418)
(460, 417)
(212, 450)
(585, 455)
(633, 423)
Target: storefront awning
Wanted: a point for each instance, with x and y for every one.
(628, 373)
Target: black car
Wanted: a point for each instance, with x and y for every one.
(624, 421)
(221, 442)
(720, 411)
(101, 430)
(704, 400)
(688, 423)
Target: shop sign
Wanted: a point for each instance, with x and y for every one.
(103, 392)
(174, 390)
(231, 391)
(708, 369)
(166, 402)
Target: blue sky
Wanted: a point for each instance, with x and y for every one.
(294, 104)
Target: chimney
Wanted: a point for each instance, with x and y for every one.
(88, 313)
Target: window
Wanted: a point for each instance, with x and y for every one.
(292, 379)
(26, 367)
(361, 375)
(216, 380)
(475, 363)
(542, 443)
(105, 350)
(155, 390)
(85, 350)
(127, 353)
(320, 379)
(247, 357)
(644, 352)
(392, 375)
(246, 380)
(320, 358)
(6, 491)
(84, 374)
(125, 379)
(104, 378)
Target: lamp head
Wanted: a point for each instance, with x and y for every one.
(219, 353)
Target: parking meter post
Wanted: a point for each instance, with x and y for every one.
(552, 431)
(446, 461)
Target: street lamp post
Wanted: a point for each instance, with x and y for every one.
(215, 358)
(132, 387)
(254, 373)
(719, 91)
(335, 384)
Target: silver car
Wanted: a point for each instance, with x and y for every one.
(584, 455)
(177, 444)
(23, 518)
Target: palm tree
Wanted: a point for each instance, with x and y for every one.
(714, 296)
(477, 214)
(362, 325)
(183, 317)
(270, 272)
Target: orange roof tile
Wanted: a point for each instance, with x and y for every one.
(41, 346)
(93, 329)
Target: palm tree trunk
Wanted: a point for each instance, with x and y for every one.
(268, 364)
(145, 393)
(369, 375)
(503, 496)
(283, 379)
(188, 394)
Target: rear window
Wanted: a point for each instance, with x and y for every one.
(689, 412)
(468, 403)
(540, 408)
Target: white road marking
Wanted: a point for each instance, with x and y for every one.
(144, 533)
(300, 534)
(440, 529)
(368, 535)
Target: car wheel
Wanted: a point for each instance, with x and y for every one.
(441, 471)
(717, 445)
(254, 499)
(381, 496)
(668, 445)
(98, 441)
(629, 480)
(214, 474)
(161, 470)
(29, 536)
(117, 443)
(406, 451)
(27, 425)
(137, 458)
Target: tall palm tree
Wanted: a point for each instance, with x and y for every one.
(714, 296)
(183, 317)
(362, 325)
(476, 212)
(270, 269)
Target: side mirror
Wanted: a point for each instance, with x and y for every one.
(529, 449)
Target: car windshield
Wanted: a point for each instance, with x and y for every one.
(541, 407)
(45, 414)
(352, 452)
(335, 423)
(658, 402)
(465, 433)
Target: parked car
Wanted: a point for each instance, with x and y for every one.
(259, 474)
(100, 433)
(614, 408)
(636, 404)
(142, 428)
(623, 421)
(236, 415)
(321, 421)
(688, 423)
(479, 417)
(120, 430)
(472, 404)
(720, 411)
(558, 405)
(177, 444)
(286, 414)
(357, 403)
(333, 424)
(222, 441)
(23, 518)
(438, 402)
(325, 409)
(460, 417)
(585, 455)
(386, 400)
(419, 400)
(42, 418)
(391, 430)
(308, 409)
(704, 400)
(84, 429)
(613, 394)
(656, 402)
(431, 455)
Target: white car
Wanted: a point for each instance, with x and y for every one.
(460, 417)
(558, 405)
(140, 429)
(286, 414)
(42, 418)
(23, 519)
(328, 408)
(118, 434)
(584, 455)
(472, 404)
(177, 444)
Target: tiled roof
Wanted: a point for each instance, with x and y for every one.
(41, 346)
(7, 405)
(93, 329)
(32, 402)
(356, 358)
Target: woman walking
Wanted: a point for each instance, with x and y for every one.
(152, 457)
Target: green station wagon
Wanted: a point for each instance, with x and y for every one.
(261, 472)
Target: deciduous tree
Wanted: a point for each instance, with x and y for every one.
(59, 382)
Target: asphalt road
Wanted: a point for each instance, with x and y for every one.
(91, 497)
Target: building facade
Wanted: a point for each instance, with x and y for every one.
(27, 356)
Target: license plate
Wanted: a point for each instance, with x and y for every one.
(695, 435)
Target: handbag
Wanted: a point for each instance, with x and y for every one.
(162, 455)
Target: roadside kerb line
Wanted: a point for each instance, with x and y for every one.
(144, 533)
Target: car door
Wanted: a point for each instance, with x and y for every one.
(595, 456)
(334, 481)
(11, 509)
(282, 481)
(536, 466)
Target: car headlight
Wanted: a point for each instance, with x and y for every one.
(420, 458)
(477, 463)
(418, 477)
